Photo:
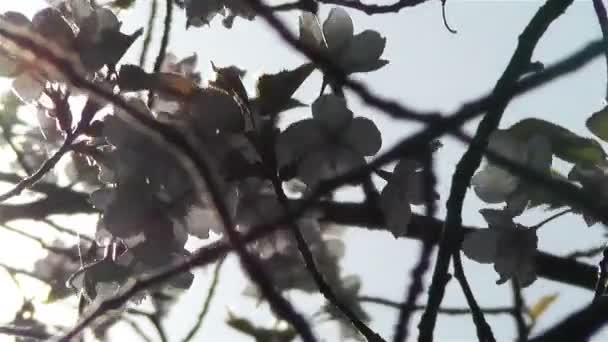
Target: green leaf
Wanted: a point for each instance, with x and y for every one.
(122, 4)
(598, 123)
(565, 144)
(538, 308)
(260, 334)
(274, 91)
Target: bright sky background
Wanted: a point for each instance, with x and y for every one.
(430, 69)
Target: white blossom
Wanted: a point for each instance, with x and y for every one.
(331, 143)
(405, 187)
(595, 180)
(354, 53)
(507, 245)
(494, 184)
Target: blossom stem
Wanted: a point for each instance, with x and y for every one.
(149, 33)
(164, 42)
(550, 218)
(207, 304)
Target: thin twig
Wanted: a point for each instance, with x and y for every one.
(445, 20)
(424, 261)
(25, 332)
(66, 230)
(519, 307)
(484, 331)
(156, 322)
(42, 171)
(551, 218)
(148, 38)
(370, 9)
(602, 277)
(207, 304)
(27, 273)
(68, 252)
(322, 284)
(7, 135)
(164, 43)
(137, 329)
(588, 253)
(446, 311)
(600, 11)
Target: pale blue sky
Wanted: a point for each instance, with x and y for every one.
(430, 69)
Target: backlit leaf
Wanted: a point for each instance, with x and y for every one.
(598, 123)
(274, 91)
(541, 306)
(565, 144)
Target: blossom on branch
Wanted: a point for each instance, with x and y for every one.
(494, 184)
(352, 52)
(404, 188)
(329, 144)
(509, 246)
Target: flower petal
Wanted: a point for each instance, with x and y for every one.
(214, 110)
(201, 13)
(330, 162)
(80, 9)
(480, 245)
(50, 23)
(310, 31)
(27, 88)
(518, 202)
(364, 51)
(338, 29)
(396, 209)
(539, 153)
(506, 266)
(406, 168)
(199, 221)
(102, 198)
(526, 274)
(493, 184)
(363, 136)
(106, 20)
(503, 143)
(415, 189)
(497, 218)
(331, 112)
(299, 138)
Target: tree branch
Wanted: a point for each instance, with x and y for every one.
(445, 311)
(371, 9)
(25, 332)
(466, 167)
(600, 12)
(518, 312)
